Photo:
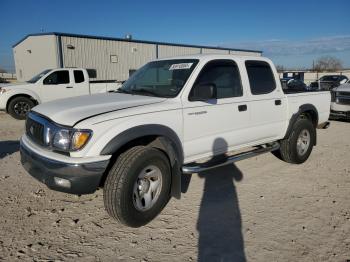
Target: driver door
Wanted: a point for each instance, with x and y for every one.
(57, 85)
(215, 126)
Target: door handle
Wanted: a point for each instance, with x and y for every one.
(69, 87)
(278, 102)
(242, 108)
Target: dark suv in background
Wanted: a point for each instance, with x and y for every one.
(329, 82)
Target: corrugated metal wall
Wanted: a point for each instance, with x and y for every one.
(244, 53)
(34, 55)
(96, 54)
(214, 51)
(131, 56)
(169, 51)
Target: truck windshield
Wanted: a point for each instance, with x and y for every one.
(163, 78)
(38, 76)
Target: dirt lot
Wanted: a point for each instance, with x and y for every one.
(262, 209)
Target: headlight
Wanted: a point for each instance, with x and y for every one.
(69, 139)
(61, 140)
(2, 90)
(55, 136)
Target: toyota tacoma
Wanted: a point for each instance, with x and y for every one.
(165, 121)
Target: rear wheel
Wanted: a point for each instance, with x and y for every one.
(297, 147)
(137, 187)
(20, 106)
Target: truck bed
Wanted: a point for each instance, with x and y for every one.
(318, 99)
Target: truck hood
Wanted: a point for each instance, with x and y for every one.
(343, 88)
(72, 110)
(11, 86)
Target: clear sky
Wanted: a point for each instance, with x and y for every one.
(292, 33)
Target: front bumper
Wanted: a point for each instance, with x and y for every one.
(74, 178)
(340, 115)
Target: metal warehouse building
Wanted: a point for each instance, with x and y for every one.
(112, 58)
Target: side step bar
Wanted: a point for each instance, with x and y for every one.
(197, 168)
(324, 125)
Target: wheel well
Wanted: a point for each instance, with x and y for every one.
(20, 95)
(305, 111)
(311, 115)
(140, 141)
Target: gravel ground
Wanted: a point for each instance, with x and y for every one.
(260, 209)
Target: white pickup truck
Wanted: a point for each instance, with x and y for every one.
(340, 105)
(51, 84)
(168, 119)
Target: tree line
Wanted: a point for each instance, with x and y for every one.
(322, 64)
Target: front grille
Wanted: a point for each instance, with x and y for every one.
(343, 94)
(35, 131)
(343, 98)
(343, 101)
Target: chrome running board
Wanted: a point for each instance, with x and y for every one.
(197, 168)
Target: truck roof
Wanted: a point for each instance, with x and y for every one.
(216, 56)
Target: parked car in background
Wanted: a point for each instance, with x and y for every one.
(340, 103)
(168, 119)
(3, 80)
(284, 82)
(295, 85)
(329, 82)
(288, 76)
(51, 84)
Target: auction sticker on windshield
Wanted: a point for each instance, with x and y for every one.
(181, 66)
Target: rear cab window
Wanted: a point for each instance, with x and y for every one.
(78, 76)
(261, 77)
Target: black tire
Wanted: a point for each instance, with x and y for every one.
(19, 107)
(119, 194)
(288, 151)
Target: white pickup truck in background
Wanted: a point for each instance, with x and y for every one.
(340, 105)
(172, 117)
(51, 84)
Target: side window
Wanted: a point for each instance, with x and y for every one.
(225, 75)
(92, 73)
(261, 78)
(131, 72)
(78, 76)
(57, 77)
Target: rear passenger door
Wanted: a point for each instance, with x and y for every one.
(213, 127)
(268, 105)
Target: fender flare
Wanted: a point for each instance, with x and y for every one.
(23, 92)
(302, 109)
(167, 140)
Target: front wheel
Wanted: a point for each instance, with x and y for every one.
(297, 147)
(137, 187)
(19, 107)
